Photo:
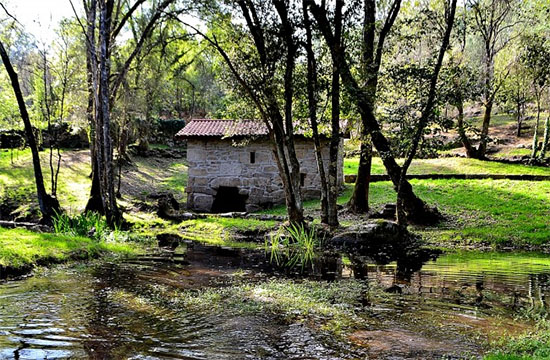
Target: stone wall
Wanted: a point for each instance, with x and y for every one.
(216, 162)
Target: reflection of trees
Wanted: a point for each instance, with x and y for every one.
(537, 291)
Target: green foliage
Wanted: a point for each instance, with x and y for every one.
(88, 224)
(293, 245)
(94, 226)
(535, 345)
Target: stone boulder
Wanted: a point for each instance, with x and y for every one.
(169, 240)
(382, 241)
(168, 206)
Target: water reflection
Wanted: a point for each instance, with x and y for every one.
(99, 313)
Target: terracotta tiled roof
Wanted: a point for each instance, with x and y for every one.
(222, 128)
(233, 128)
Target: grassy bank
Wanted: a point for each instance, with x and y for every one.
(453, 165)
(211, 230)
(494, 211)
(23, 249)
(140, 178)
(489, 211)
(499, 212)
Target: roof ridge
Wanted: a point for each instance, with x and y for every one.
(204, 119)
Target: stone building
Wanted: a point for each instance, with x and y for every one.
(232, 166)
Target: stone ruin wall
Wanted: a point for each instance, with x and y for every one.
(216, 162)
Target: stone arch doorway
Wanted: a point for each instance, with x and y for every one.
(228, 199)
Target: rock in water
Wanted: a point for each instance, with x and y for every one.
(380, 240)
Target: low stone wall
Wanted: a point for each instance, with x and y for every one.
(214, 163)
(351, 178)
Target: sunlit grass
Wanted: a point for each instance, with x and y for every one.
(495, 211)
(19, 247)
(17, 179)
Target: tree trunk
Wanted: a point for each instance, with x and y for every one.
(536, 132)
(470, 150)
(545, 139)
(94, 203)
(108, 195)
(49, 205)
(482, 148)
(335, 122)
(312, 108)
(288, 135)
(519, 119)
(359, 201)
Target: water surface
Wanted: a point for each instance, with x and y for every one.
(96, 311)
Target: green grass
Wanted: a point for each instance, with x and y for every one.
(211, 230)
(494, 211)
(221, 231)
(19, 248)
(17, 179)
(452, 165)
(178, 181)
(535, 345)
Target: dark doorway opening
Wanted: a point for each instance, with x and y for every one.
(228, 199)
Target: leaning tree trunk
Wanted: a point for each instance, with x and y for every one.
(417, 210)
(49, 205)
(426, 115)
(545, 139)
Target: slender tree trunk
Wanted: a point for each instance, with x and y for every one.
(359, 201)
(94, 203)
(482, 148)
(545, 139)
(519, 119)
(335, 122)
(536, 132)
(312, 108)
(108, 194)
(291, 48)
(470, 150)
(49, 206)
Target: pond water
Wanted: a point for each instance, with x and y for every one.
(95, 311)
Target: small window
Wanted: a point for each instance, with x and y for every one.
(252, 157)
(302, 179)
